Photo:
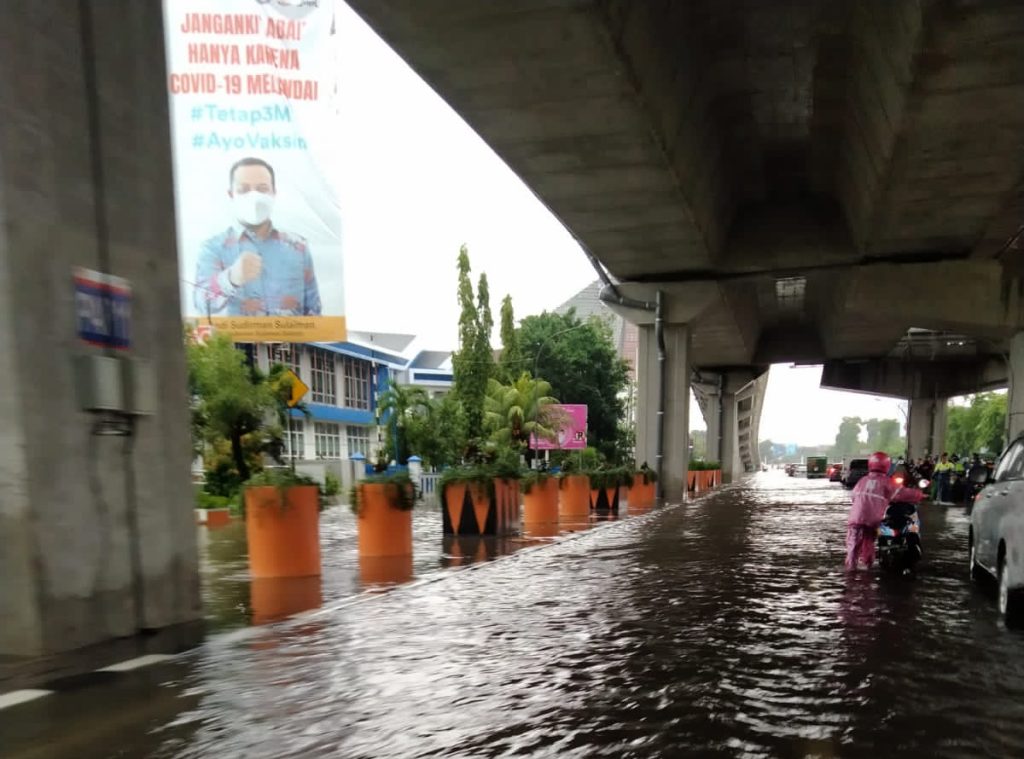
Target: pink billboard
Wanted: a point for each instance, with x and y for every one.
(570, 419)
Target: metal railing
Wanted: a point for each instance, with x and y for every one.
(430, 489)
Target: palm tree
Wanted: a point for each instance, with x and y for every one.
(515, 413)
(398, 402)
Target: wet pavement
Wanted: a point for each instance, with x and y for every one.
(721, 627)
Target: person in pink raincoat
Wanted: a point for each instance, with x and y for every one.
(871, 497)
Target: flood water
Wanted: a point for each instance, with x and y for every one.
(721, 627)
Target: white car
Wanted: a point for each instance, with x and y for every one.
(996, 534)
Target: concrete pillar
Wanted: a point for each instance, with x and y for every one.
(730, 456)
(713, 422)
(926, 427)
(677, 406)
(1015, 402)
(97, 533)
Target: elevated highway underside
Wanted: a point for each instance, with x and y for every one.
(806, 180)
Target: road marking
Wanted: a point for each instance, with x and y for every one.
(136, 663)
(16, 697)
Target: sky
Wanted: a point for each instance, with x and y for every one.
(418, 182)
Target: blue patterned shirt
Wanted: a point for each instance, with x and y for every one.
(286, 286)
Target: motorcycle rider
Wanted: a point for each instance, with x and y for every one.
(871, 497)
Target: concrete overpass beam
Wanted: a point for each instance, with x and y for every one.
(676, 450)
(926, 427)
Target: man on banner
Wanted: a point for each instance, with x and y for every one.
(254, 269)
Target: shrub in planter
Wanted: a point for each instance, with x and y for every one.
(282, 524)
(481, 499)
(383, 504)
(604, 488)
(642, 488)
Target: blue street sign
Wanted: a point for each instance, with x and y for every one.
(103, 309)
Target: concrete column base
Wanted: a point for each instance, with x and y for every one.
(676, 453)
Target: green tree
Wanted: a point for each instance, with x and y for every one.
(581, 362)
(764, 450)
(978, 426)
(437, 432)
(233, 403)
(511, 357)
(847, 438)
(884, 435)
(473, 362)
(514, 413)
(397, 404)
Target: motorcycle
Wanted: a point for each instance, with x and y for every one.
(899, 534)
(977, 479)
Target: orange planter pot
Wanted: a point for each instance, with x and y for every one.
(506, 495)
(470, 508)
(383, 529)
(218, 517)
(540, 504)
(274, 598)
(605, 501)
(641, 495)
(716, 477)
(574, 497)
(691, 481)
(283, 535)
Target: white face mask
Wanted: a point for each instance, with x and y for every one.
(253, 208)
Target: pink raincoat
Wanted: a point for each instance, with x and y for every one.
(871, 497)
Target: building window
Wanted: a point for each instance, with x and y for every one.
(294, 441)
(357, 383)
(328, 440)
(358, 440)
(287, 354)
(323, 383)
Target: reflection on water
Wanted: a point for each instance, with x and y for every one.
(275, 598)
(723, 627)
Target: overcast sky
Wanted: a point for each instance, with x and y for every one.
(418, 182)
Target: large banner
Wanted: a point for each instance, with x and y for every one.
(253, 115)
(570, 420)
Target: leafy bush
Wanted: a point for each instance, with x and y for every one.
(222, 478)
(699, 465)
(402, 492)
(332, 486)
(609, 477)
(280, 477)
(206, 500)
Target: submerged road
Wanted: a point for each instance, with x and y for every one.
(721, 627)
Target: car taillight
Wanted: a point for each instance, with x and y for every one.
(898, 480)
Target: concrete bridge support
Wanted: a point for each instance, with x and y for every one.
(676, 450)
(1015, 401)
(926, 427)
(97, 535)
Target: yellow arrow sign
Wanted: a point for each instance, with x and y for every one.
(299, 388)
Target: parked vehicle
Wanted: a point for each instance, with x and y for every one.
(996, 535)
(799, 470)
(858, 468)
(816, 466)
(790, 469)
(835, 472)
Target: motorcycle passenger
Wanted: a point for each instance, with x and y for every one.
(871, 497)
